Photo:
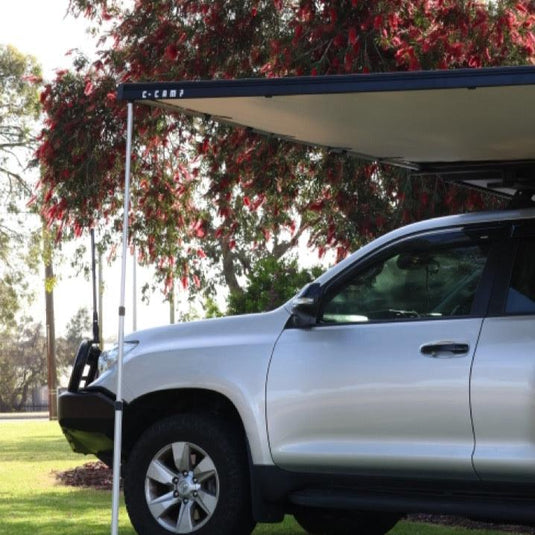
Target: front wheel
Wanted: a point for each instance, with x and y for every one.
(334, 522)
(188, 474)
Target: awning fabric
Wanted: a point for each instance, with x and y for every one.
(473, 125)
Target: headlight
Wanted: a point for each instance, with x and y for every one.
(108, 358)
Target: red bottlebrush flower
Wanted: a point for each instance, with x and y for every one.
(316, 206)
(339, 40)
(205, 145)
(333, 15)
(378, 22)
(32, 79)
(352, 36)
(348, 61)
(171, 52)
(88, 88)
(198, 228)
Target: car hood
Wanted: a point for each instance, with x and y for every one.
(198, 352)
(211, 332)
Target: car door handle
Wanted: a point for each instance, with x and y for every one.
(444, 350)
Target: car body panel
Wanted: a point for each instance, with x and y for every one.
(503, 399)
(363, 399)
(229, 356)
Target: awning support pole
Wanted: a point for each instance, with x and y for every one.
(117, 440)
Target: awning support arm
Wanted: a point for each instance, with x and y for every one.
(117, 440)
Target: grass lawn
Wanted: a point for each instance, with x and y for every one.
(31, 503)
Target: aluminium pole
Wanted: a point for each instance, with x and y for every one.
(134, 290)
(117, 439)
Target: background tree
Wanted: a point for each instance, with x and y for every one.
(77, 329)
(271, 283)
(23, 357)
(22, 364)
(211, 199)
(19, 109)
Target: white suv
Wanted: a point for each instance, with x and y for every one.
(402, 380)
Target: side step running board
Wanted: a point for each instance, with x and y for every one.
(488, 508)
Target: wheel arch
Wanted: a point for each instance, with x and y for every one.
(146, 410)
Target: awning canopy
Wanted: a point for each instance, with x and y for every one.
(472, 125)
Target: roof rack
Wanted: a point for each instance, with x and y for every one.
(506, 179)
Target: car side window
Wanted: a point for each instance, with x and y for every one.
(521, 292)
(432, 282)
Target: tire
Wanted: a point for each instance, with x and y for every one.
(334, 522)
(189, 474)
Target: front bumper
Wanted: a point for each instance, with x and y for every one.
(87, 419)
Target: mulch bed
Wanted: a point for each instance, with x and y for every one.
(97, 475)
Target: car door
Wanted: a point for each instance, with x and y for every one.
(503, 380)
(380, 383)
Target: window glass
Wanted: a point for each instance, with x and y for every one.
(413, 283)
(521, 293)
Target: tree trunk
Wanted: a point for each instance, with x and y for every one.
(228, 270)
(50, 328)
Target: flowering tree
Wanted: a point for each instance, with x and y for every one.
(211, 199)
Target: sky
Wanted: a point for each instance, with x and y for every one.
(42, 28)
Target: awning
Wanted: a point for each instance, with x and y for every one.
(472, 125)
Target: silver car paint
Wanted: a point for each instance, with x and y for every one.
(362, 398)
(228, 355)
(503, 399)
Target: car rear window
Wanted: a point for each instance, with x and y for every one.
(521, 293)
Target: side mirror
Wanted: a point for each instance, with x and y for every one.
(305, 306)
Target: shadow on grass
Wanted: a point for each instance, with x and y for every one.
(89, 511)
(83, 512)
